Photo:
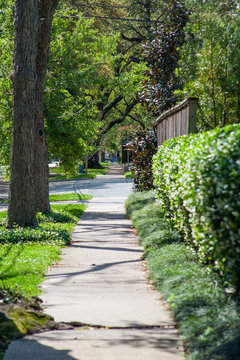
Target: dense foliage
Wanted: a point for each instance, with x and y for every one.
(209, 61)
(90, 83)
(142, 148)
(74, 76)
(88, 79)
(162, 55)
(198, 181)
(96, 66)
(207, 318)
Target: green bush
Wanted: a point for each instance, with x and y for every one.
(142, 148)
(197, 178)
(207, 318)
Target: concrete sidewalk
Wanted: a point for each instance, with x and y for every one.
(101, 282)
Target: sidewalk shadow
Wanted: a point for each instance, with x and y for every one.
(121, 249)
(96, 268)
(28, 349)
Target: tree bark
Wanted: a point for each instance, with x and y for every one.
(29, 189)
(21, 208)
(238, 89)
(93, 162)
(46, 12)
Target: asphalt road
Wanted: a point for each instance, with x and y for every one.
(100, 187)
(4, 186)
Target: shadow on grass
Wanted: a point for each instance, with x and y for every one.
(72, 209)
(55, 216)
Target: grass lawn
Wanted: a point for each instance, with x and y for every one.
(26, 253)
(62, 197)
(25, 256)
(128, 175)
(105, 164)
(90, 175)
(208, 318)
(69, 197)
(79, 176)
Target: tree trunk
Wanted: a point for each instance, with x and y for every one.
(29, 189)
(238, 89)
(46, 12)
(21, 209)
(93, 162)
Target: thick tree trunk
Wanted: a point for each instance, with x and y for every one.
(21, 209)
(46, 12)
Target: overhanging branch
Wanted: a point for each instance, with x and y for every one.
(111, 105)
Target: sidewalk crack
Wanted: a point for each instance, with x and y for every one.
(79, 325)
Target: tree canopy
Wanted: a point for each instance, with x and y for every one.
(108, 59)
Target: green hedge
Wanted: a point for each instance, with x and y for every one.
(207, 318)
(197, 178)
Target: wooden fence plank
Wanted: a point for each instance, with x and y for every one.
(179, 120)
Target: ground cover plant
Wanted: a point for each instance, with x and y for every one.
(25, 256)
(207, 317)
(197, 178)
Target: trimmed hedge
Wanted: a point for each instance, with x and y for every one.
(197, 178)
(207, 318)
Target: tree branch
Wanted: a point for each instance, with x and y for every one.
(109, 106)
(116, 121)
(132, 39)
(139, 121)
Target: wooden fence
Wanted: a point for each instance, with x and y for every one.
(180, 120)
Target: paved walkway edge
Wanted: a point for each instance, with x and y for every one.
(101, 281)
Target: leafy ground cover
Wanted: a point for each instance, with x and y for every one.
(208, 319)
(25, 256)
